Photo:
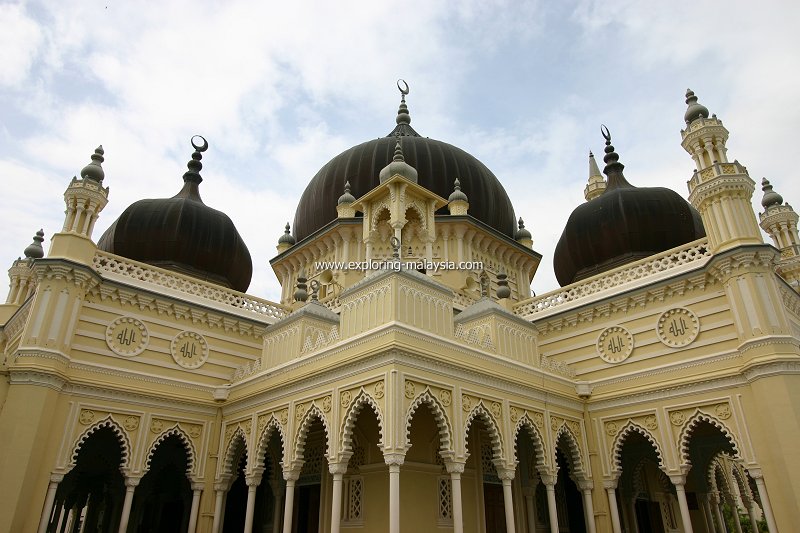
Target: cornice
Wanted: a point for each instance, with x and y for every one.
(106, 393)
(37, 378)
(772, 369)
(82, 276)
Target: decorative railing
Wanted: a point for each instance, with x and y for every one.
(106, 263)
(690, 254)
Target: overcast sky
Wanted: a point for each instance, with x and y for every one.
(278, 90)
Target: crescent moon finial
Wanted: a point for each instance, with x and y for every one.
(201, 148)
(404, 90)
(605, 132)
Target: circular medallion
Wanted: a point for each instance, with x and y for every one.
(615, 344)
(189, 349)
(127, 336)
(677, 327)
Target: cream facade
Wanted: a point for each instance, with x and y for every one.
(662, 395)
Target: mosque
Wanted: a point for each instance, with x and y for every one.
(408, 380)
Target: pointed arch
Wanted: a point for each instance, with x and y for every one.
(538, 442)
(637, 476)
(442, 422)
(616, 449)
(481, 411)
(302, 431)
(575, 455)
(234, 447)
(354, 409)
(259, 457)
(177, 431)
(688, 429)
(119, 432)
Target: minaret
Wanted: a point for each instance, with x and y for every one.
(286, 240)
(85, 197)
(21, 275)
(522, 235)
(597, 184)
(457, 202)
(779, 220)
(719, 190)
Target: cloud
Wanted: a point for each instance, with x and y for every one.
(19, 43)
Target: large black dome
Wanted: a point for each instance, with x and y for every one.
(622, 225)
(182, 234)
(438, 165)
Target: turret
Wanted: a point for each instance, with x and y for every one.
(21, 276)
(597, 184)
(457, 202)
(779, 220)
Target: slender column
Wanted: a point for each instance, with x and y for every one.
(338, 471)
(708, 514)
(277, 493)
(55, 479)
(288, 502)
(455, 469)
(252, 481)
(756, 474)
(219, 497)
(751, 512)
(549, 481)
(130, 487)
(717, 513)
(632, 515)
(611, 489)
(506, 475)
(588, 506)
(530, 508)
(393, 460)
(197, 489)
(735, 510)
(680, 481)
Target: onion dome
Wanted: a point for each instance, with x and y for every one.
(287, 237)
(770, 197)
(183, 234)
(94, 170)
(34, 250)
(457, 194)
(437, 165)
(695, 110)
(346, 197)
(622, 225)
(522, 233)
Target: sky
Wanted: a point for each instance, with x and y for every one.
(278, 89)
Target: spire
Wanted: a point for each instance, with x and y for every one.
(398, 165)
(403, 119)
(457, 193)
(287, 237)
(458, 203)
(94, 170)
(695, 110)
(770, 197)
(597, 184)
(613, 168)
(34, 250)
(522, 234)
(346, 198)
(194, 164)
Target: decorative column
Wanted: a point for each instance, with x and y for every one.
(680, 482)
(715, 501)
(756, 474)
(393, 460)
(291, 478)
(549, 481)
(506, 475)
(751, 511)
(197, 490)
(707, 513)
(277, 493)
(530, 507)
(130, 486)
(338, 470)
(588, 506)
(252, 481)
(55, 479)
(611, 489)
(455, 469)
(219, 498)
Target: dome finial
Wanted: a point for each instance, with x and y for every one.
(522, 234)
(194, 164)
(695, 110)
(613, 168)
(94, 170)
(34, 250)
(770, 197)
(403, 116)
(347, 197)
(457, 194)
(398, 150)
(287, 237)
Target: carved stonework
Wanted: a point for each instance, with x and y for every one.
(127, 336)
(723, 411)
(86, 417)
(678, 327)
(466, 403)
(446, 397)
(677, 418)
(615, 344)
(284, 416)
(611, 429)
(410, 389)
(326, 404)
(189, 349)
(650, 422)
(300, 410)
(379, 390)
(496, 410)
(131, 423)
(157, 425)
(346, 398)
(514, 414)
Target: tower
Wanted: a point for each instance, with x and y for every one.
(779, 220)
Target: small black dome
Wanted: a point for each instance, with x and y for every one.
(438, 165)
(182, 234)
(622, 225)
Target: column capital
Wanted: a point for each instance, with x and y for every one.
(197, 485)
(56, 478)
(291, 475)
(679, 480)
(505, 473)
(394, 458)
(338, 468)
(755, 473)
(549, 480)
(610, 483)
(253, 480)
(455, 467)
(585, 484)
(132, 481)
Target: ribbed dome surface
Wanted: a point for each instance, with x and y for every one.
(438, 165)
(182, 234)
